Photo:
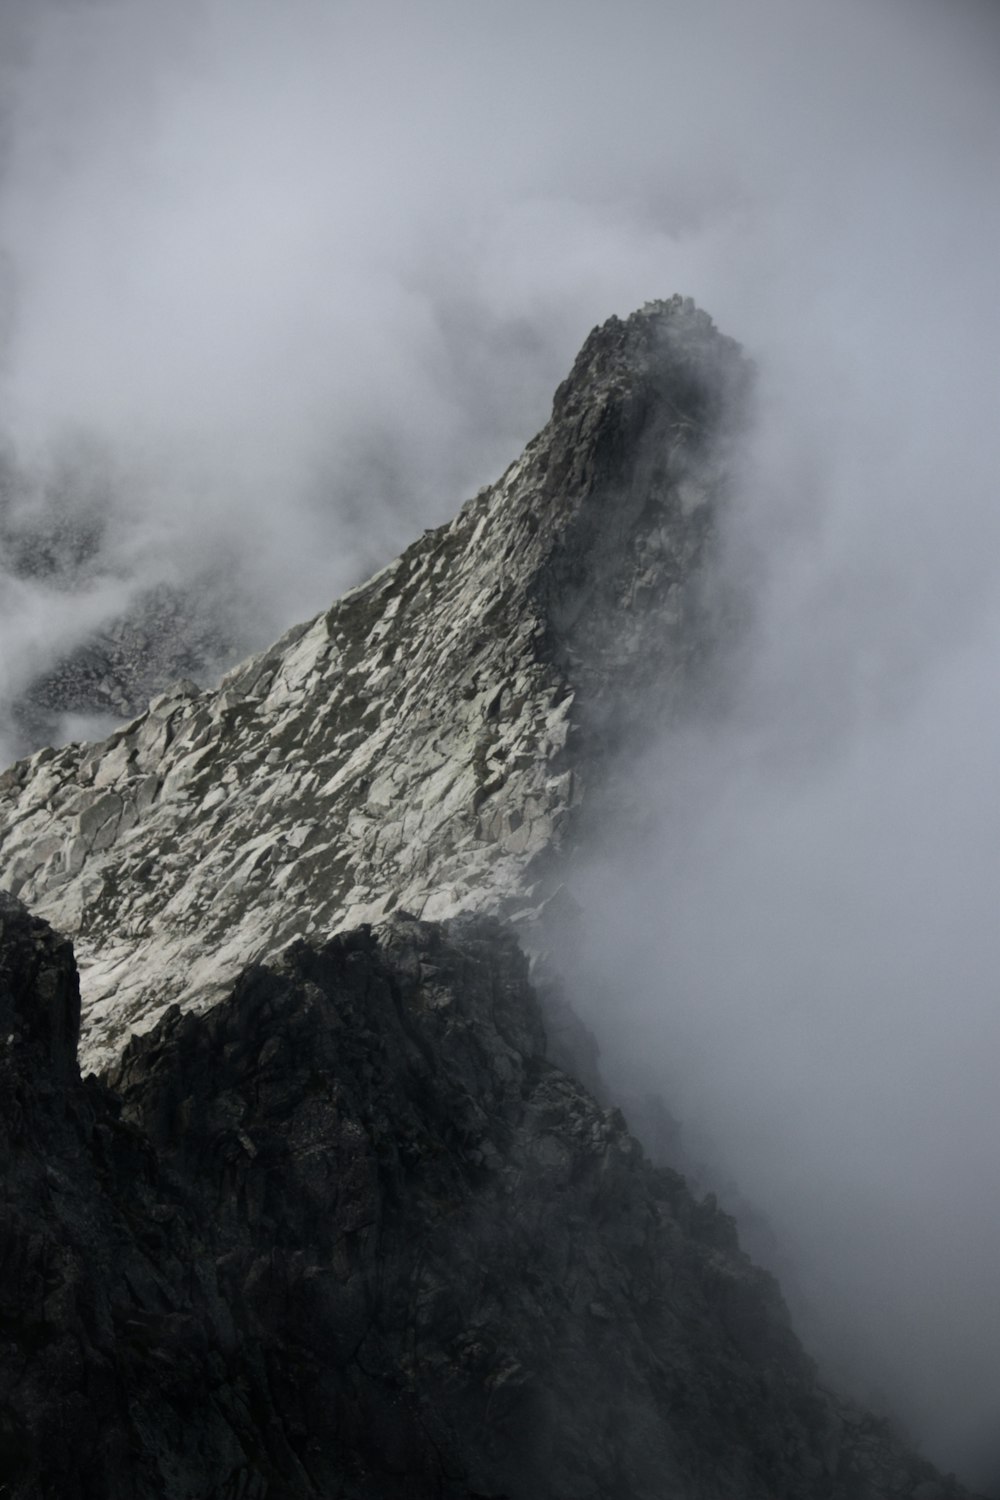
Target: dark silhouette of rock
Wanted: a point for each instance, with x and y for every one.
(351, 1234)
(60, 535)
(341, 1225)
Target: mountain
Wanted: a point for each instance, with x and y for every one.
(334, 1221)
(432, 739)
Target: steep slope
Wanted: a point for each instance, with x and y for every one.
(430, 739)
(349, 1234)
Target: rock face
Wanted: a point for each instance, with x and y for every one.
(431, 739)
(351, 1234)
(335, 1224)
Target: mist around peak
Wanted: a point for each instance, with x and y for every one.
(297, 281)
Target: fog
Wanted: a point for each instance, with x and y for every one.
(280, 286)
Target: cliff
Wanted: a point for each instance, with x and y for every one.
(427, 742)
(333, 1222)
(350, 1233)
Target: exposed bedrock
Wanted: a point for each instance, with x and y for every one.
(431, 741)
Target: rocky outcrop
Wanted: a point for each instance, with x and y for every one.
(166, 634)
(349, 1233)
(431, 739)
(336, 1224)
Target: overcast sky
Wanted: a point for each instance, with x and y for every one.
(283, 284)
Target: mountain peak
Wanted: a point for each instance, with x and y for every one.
(430, 740)
(663, 349)
(429, 1262)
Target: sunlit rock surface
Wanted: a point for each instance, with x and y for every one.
(431, 740)
(350, 1234)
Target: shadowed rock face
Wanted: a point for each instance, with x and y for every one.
(432, 739)
(350, 1234)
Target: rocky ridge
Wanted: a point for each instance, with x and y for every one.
(429, 741)
(336, 1225)
(350, 1234)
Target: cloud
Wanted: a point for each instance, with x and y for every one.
(802, 953)
(298, 279)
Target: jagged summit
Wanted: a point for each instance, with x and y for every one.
(429, 740)
(337, 1223)
(650, 352)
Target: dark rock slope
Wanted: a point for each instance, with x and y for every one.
(350, 1236)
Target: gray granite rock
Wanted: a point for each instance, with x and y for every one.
(336, 1224)
(431, 740)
